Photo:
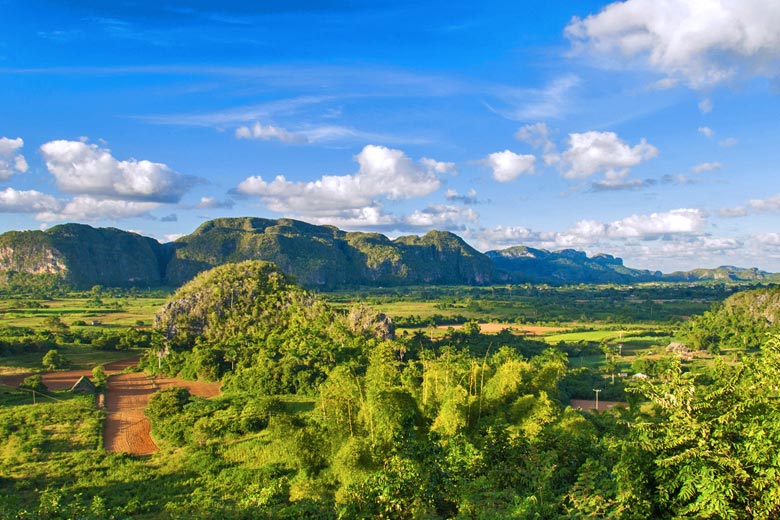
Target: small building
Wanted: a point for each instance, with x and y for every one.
(84, 386)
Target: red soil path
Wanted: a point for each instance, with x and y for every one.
(127, 429)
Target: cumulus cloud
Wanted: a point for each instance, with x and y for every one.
(705, 106)
(434, 166)
(706, 131)
(678, 221)
(30, 201)
(268, 133)
(702, 42)
(442, 216)
(728, 142)
(508, 165)
(593, 152)
(468, 199)
(769, 204)
(707, 167)
(11, 161)
(384, 173)
(89, 208)
(86, 169)
(675, 225)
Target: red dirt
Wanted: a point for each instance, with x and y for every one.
(493, 328)
(590, 404)
(127, 429)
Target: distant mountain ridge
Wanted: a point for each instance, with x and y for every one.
(317, 256)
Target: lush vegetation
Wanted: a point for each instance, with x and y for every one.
(328, 412)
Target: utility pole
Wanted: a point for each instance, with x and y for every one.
(597, 390)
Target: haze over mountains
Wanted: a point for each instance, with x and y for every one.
(322, 257)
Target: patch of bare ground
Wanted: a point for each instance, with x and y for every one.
(494, 328)
(127, 429)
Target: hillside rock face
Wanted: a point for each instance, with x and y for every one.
(326, 257)
(85, 256)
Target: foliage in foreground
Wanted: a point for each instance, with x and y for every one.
(374, 427)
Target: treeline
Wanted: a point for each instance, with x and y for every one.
(24, 340)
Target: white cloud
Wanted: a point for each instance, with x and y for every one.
(705, 106)
(703, 42)
(384, 173)
(434, 166)
(171, 237)
(620, 183)
(89, 208)
(440, 215)
(707, 167)
(737, 211)
(508, 165)
(469, 198)
(678, 221)
(87, 169)
(31, 201)
(214, 203)
(728, 142)
(664, 84)
(269, 132)
(768, 204)
(706, 131)
(675, 225)
(593, 152)
(534, 104)
(358, 218)
(768, 239)
(10, 160)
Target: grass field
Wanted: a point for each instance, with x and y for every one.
(114, 312)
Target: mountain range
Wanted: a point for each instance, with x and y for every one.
(322, 257)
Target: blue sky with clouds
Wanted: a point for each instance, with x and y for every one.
(643, 129)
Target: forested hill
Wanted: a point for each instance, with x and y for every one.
(316, 256)
(324, 256)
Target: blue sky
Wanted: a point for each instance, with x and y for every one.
(643, 129)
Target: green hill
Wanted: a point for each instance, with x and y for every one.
(322, 257)
(84, 256)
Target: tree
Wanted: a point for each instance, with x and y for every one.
(34, 383)
(53, 360)
(714, 446)
(99, 377)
